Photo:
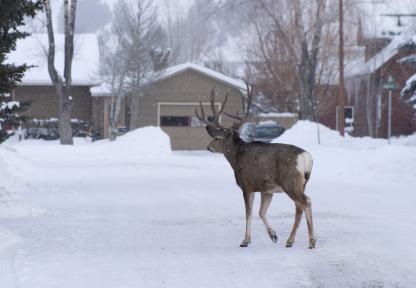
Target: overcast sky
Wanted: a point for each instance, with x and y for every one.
(177, 6)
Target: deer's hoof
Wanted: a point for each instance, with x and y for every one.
(289, 243)
(312, 243)
(245, 243)
(273, 236)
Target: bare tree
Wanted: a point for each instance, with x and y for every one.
(130, 51)
(62, 85)
(88, 22)
(113, 72)
(288, 47)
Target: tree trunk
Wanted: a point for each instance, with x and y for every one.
(134, 112)
(114, 115)
(65, 127)
(62, 88)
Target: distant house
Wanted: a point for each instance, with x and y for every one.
(365, 86)
(36, 86)
(169, 100)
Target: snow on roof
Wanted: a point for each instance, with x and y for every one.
(277, 114)
(102, 90)
(409, 86)
(175, 70)
(32, 50)
(380, 58)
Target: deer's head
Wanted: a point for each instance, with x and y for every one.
(224, 138)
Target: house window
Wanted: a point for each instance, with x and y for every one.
(175, 121)
(182, 121)
(349, 113)
(348, 118)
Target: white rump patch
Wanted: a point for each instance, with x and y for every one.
(304, 163)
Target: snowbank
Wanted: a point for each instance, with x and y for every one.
(143, 144)
(305, 134)
(11, 205)
(7, 239)
(362, 159)
(147, 141)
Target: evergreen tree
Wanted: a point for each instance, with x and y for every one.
(12, 16)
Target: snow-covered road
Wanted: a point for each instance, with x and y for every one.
(177, 220)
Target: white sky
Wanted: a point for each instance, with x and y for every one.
(177, 6)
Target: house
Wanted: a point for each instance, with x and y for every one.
(365, 82)
(169, 100)
(36, 86)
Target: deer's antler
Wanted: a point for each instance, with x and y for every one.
(216, 114)
(246, 105)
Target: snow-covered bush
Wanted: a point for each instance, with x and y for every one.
(47, 129)
(10, 117)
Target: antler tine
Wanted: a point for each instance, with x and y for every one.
(246, 105)
(214, 110)
(223, 104)
(234, 117)
(249, 99)
(202, 117)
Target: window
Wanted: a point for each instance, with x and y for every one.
(348, 118)
(175, 121)
(182, 121)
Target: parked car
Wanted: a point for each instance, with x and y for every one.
(264, 132)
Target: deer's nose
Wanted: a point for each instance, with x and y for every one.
(210, 149)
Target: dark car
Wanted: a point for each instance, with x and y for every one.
(264, 132)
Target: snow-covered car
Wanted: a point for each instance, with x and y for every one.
(264, 132)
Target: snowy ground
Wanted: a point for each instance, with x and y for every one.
(119, 215)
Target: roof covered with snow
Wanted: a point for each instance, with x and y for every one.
(33, 50)
(376, 62)
(178, 69)
(105, 89)
(102, 90)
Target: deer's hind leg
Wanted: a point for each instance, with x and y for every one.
(309, 221)
(298, 217)
(303, 203)
(266, 199)
(248, 201)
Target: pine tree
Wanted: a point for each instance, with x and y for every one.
(12, 16)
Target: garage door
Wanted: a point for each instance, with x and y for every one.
(178, 120)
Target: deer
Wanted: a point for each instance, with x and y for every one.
(267, 168)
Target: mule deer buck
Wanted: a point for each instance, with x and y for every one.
(261, 167)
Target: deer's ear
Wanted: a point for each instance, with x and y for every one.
(214, 132)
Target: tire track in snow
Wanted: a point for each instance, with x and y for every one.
(9, 244)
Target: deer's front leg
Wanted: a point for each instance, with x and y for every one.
(266, 199)
(248, 201)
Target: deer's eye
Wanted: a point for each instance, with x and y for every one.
(217, 138)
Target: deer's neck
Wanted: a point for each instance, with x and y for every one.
(231, 151)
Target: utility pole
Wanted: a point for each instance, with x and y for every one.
(341, 100)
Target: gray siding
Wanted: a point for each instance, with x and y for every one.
(187, 87)
(44, 102)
